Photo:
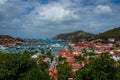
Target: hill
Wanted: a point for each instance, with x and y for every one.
(9, 38)
(82, 35)
(113, 33)
(5, 37)
(74, 36)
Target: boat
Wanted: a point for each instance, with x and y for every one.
(38, 46)
(3, 48)
(56, 45)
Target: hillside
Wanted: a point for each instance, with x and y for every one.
(74, 36)
(5, 37)
(113, 33)
(82, 35)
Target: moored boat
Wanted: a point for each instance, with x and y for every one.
(56, 45)
(3, 47)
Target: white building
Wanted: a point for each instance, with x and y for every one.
(116, 57)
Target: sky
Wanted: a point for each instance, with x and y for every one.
(47, 18)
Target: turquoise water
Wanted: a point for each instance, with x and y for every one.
(46, 44)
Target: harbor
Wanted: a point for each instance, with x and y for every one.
(33, 46)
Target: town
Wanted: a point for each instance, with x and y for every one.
(74, 53)
(73, 57)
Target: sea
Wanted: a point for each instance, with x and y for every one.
(54, 45)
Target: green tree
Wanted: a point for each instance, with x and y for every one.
(64, 71)
(36, 73)
(49, 53)
(101, 68)
(21, 67)
(12, 66)
(42, 51)
(70, 49)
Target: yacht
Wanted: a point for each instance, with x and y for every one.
(3, 48)
(56, 45)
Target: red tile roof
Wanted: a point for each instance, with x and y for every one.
(116, 55)
(52, 71)
(79, 45)
(76, 51)
(75, 67)
(70, 60)
(64, 52)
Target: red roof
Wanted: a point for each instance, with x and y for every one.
(64, 52)
(116, 55)
(76, 67)
(79, 45)
(76, 51)
(70, 60)
(52, 71)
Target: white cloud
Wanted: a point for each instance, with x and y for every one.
(54, 12)
(102, 9)
(49, 16)
(54, 17)
(3, 1)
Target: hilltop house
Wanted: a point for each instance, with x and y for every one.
(111, 39)
(116, 57)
